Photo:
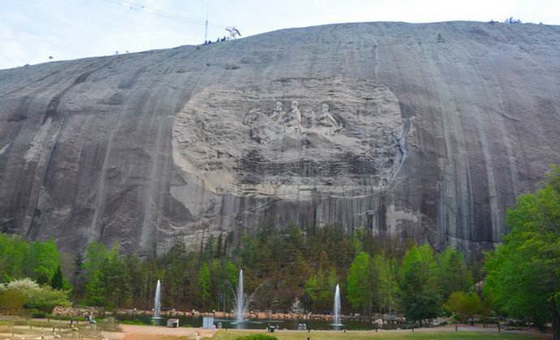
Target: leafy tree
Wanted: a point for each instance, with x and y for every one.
(338, 246)
(94, 293)
(20, 259)
(522, 273)
(359, 283)
(452, 273)
(77, 279)
(466, 305)
(249, 253)
(320, 287)
(420, 298)
(46, 260)
(142, 278)
(294, 244)
(43, 298)
(107, 277)
(14, 257)
(175, 264)
(47, 298)
(232, 273)
(204, 283)
(225, 274)
(281, 264)
(115, 281)
(386, 289)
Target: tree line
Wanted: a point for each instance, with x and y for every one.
(280, 267)
(297, 268)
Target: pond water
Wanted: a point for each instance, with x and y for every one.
(189, 321)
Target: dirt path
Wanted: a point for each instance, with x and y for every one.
(133, 332)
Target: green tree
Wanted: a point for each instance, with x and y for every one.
(523, 271)
(57, 281)
(14, 258)
(107, 277)
(359, 283)
(452, 273)
(226, 278)
(386, 290)
(320, 287)
(115, 280)
(175, 264)
(465, 305)
(77, 279)
(142, 278)
(34, 296)
(204, 284)
(232, 273)
(293, 244)
(20, 259)
(46, 259)
(94, 291)
(420, 298)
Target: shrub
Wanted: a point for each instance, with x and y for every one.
(464, 305)
(132, 322)
(11, 302)
(257, 337)
(36, 297)
(39, 315)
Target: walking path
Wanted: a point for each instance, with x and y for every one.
(134, 332)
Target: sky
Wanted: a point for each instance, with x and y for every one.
(37, 31)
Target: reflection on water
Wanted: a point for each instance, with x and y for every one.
(189, 321)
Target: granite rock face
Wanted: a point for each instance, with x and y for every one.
(427, 131)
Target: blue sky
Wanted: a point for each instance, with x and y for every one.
(33, 30)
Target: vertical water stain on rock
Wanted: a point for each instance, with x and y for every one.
(382, 126)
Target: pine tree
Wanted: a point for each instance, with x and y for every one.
(57, 281)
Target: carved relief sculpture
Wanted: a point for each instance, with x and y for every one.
(292, 120)
(326, 119)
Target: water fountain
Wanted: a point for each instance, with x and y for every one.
(240, 302)
(157, 303)
(337, 324)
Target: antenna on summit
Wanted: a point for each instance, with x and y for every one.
(233, 32)
(206, 28)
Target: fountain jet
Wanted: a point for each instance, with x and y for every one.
(337, 324)
(157, 302)
(240, 302)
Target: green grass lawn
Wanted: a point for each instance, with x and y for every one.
(362, 335)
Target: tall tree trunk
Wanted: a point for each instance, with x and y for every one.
(555, 321)
(556, 327)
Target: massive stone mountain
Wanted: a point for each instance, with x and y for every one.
(427, 131)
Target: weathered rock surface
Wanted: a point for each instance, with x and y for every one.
(420, 130)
